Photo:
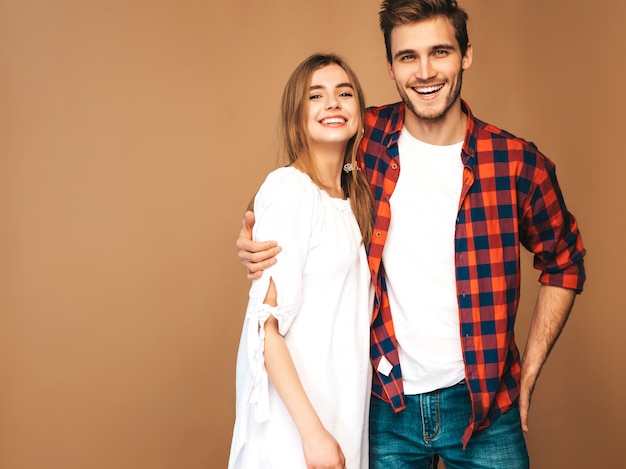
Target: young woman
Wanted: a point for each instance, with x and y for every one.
(303, 369)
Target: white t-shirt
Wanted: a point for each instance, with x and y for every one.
(419, 264)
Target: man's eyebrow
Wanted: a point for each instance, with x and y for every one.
(443, 46)
(432, 48)
(403, 52)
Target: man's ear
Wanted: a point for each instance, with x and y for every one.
(390, 70)
(468, 57)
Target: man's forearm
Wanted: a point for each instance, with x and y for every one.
(551, 312)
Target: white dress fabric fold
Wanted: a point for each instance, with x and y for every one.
(324, 310)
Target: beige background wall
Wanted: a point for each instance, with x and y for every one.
(133, 134)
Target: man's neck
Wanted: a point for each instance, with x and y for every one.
(447, 130)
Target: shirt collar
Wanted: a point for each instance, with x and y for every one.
(394, 126)
(469, 144)
(396, 121)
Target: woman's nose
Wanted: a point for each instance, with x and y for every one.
(332, 102)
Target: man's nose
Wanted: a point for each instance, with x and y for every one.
(424, 70)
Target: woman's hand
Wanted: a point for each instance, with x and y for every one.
(321, 451)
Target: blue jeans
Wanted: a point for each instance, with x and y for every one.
(432, 426)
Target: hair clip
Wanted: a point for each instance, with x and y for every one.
(351, 167)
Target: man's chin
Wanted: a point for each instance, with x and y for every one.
(433, 113)
(428, 114)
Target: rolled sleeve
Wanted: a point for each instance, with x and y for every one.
(552, 234)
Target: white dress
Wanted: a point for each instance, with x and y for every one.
(324, 310)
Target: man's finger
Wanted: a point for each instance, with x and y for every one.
(254, 275)
(248, 221)
(255, 267)
(252, 252)
(524, 405)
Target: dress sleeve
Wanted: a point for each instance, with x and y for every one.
(285, 209)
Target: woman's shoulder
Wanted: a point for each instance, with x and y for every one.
(286, 197)
(287, 180)
(289, 175)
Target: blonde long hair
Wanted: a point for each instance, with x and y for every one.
(295, 139)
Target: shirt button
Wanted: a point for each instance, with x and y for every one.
(378, 234)
(394, 166)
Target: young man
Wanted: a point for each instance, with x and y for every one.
(448, 379)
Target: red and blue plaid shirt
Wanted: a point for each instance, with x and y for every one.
(510, 196)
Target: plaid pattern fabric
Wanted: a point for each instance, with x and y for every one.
(510, 196)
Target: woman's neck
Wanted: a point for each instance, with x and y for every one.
(328, 163)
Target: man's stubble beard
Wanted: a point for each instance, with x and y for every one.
(450, 100)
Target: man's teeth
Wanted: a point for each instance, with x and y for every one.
(428, 89)
(334, 120)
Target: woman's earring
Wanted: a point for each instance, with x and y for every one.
(348, 167)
